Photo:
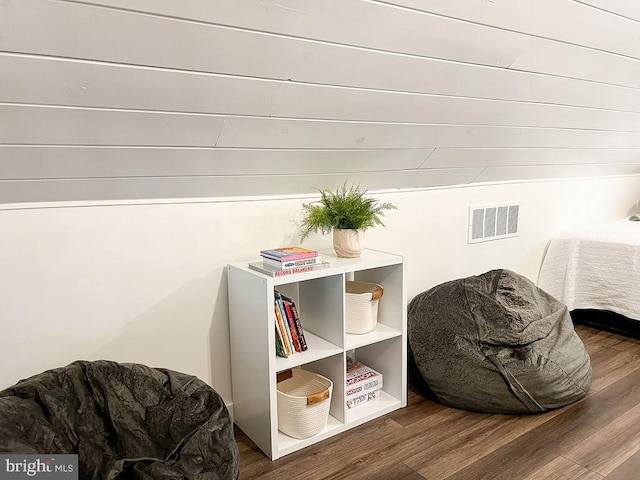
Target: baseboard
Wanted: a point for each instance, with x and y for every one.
(607, 321)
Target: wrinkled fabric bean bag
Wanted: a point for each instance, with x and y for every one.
(496, 343)
(123, 421)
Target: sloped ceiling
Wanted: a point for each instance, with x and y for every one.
(141, 99)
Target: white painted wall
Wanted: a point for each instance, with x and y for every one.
(146, 283)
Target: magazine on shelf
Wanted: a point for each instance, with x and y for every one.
(277, 272)
(363, 398)
(288, 253)
(361, 379)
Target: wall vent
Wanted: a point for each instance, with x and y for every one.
(491, 222)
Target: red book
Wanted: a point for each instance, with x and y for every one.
(292, 325)
(293, 312)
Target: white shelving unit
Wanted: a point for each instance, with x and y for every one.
(320, 298)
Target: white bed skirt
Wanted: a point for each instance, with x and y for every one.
(596, 269)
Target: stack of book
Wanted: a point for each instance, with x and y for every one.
(288, 260)
(363, 383)
(289, 335)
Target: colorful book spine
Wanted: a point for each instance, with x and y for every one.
(287, 327)
(362, 377)
(295, 332)
(291, 329)
(360, 388)
(283, 265)
(288, 253)
(283, 330)
(276, 272)
(361, 380)
(363, 398)
(280, 351)
(293, 310)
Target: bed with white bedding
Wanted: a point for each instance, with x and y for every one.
(597, 268)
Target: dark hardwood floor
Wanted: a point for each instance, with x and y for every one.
(597, 437)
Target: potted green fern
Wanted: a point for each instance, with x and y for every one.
(347, 212)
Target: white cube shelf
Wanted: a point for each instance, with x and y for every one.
(320, 298)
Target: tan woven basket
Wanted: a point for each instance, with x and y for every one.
(303, 403)
(362, 306)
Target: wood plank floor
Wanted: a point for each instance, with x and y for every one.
(595, 438)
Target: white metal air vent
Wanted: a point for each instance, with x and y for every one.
(491, 222)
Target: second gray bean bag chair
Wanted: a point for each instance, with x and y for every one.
(496, 343)
(124, 420)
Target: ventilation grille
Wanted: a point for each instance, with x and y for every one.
(492, 222)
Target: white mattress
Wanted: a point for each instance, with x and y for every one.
(596, 268)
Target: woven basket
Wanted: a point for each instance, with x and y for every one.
(362, 306)
(303, 403)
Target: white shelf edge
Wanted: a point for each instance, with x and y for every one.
(356, 416)
(318, 348)
(368, 260)
(378, 334)
(287, 444)
(372, 409)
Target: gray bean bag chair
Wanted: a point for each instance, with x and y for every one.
(123, 420)
(496, 343)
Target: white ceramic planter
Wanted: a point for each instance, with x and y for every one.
(348, 243)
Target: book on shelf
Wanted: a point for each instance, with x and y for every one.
(284, 265)
(280, 351)
(288, 320)
(363, 398)
(283, 331)
(294, 323)
(277, 272)
(361, 388)
(288, 325)
(357, 372)
(288, 253)
(292, 310)
(361, 379)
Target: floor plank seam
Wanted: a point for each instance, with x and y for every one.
(415, 472)
(583, 466)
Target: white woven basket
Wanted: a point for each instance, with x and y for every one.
(303, 403)
(362, 306)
